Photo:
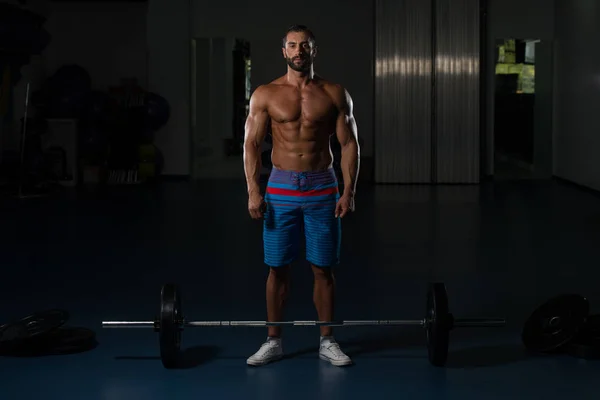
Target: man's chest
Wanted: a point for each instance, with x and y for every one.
(291, 105)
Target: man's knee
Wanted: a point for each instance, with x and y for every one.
(280, 273)
(322, 273)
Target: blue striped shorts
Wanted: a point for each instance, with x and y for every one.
(297, 200)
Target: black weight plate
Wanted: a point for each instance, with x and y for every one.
(555, 323)
(71, 340)
(64, 340)
(12, 332)
(32, 326)
(438, 324)
(171, 323)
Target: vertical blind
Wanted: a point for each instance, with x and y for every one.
(427, 87)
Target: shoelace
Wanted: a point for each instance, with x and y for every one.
(335, 349)
(267, 346)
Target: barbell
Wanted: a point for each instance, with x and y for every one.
(438, 323)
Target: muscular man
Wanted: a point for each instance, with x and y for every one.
(304, 110)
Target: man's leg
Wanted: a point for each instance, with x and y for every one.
(323, 233)
(323, 237)
(323, 296)
(281, 234)
(278, 286)
(281, 238)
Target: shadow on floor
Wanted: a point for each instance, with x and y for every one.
(47, 350)
(388, 345)
(191, 357)
(372, 344)
(486, 356)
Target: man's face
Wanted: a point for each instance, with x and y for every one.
(299, 53)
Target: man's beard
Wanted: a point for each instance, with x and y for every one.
(304, 66)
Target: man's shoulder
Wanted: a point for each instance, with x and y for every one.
(267, 89)
(260, 96)
(337, 91)
(329, 85)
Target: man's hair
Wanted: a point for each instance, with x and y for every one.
(300, 28)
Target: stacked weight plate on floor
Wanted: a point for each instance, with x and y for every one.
(44, 333)
(563, 324)
(22, 332)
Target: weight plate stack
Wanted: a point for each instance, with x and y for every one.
(21, 333)
(556, 323)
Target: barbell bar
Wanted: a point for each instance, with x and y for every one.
(438, 323)
(457, 323)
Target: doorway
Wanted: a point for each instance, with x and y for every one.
(514, 108)
(220, 97)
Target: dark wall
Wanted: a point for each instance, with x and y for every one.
(577, 98)
(168, 32)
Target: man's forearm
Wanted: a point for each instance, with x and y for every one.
(252, 165)
(350, 164)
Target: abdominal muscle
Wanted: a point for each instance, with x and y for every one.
(297, 148)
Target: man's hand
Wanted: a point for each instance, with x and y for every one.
(256, 205)
(344, 205)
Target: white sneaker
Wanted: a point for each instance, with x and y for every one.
(269, 351)
(329, 350)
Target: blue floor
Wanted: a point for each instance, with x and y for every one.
(501, 248)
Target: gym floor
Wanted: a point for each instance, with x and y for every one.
(502, 249)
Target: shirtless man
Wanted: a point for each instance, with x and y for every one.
(304, 111)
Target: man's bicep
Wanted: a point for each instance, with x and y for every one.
(258, 118)
(346, 130)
